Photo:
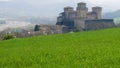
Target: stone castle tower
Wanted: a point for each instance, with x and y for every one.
(76, 18)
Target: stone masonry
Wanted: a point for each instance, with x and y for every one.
(78, 18)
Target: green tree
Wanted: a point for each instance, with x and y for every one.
(37, 28)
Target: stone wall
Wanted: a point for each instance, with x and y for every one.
(99, 24)
(79, 23)
(91, 16)
(66, 22)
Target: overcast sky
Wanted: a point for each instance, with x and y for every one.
(56, 6)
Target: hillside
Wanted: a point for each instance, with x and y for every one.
(111, 15)
(92, 49)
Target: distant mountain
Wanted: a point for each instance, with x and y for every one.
(112, 15)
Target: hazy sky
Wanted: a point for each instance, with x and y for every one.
(56, 6)
(107, 4)
(53, 7)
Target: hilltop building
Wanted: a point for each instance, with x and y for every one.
(76, 20)
(81, 18)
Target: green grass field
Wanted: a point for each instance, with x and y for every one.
(92, 49)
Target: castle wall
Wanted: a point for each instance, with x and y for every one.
(99, 24)
(91, 16)
(72, 15)
(59, 19)
(79, 23)
(81, 13)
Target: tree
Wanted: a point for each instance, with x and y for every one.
(37, 28)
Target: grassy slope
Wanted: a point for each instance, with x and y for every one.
(94, 49)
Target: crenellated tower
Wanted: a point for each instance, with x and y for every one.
(81, 10)
(98, 11)
(67, 12)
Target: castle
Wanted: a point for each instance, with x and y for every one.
(77, 20)
(81, 18)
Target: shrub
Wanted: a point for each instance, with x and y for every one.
(78, 29)
(8, 36)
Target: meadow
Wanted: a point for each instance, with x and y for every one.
(90, 49)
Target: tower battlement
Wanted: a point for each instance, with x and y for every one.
(98, 11)
(81, 5)
(68, 9)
